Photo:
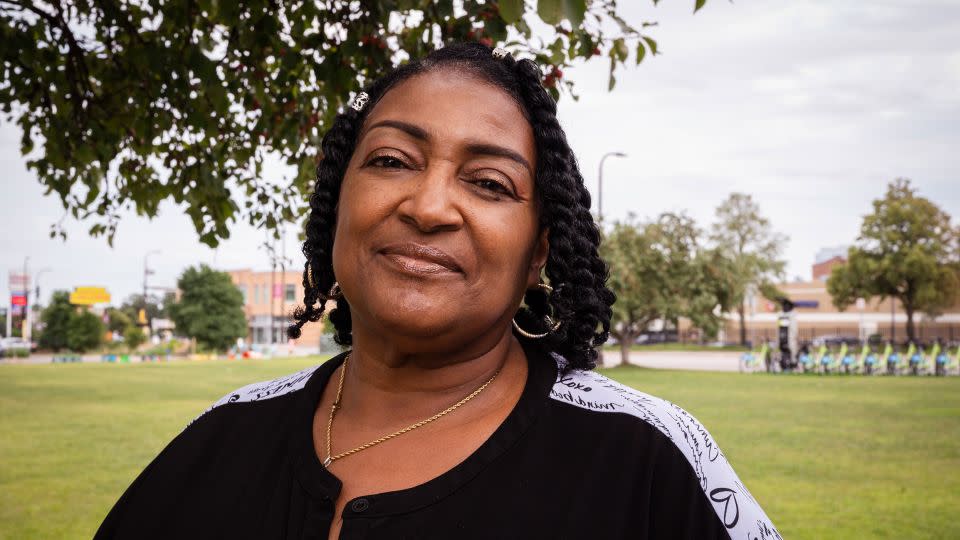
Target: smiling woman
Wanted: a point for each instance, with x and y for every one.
(451, 226)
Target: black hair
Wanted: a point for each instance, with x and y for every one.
(580, 300)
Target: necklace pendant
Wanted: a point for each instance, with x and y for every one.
(327, 462)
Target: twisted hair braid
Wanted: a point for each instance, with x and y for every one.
(580, 300)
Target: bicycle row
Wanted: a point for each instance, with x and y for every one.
(938, 359)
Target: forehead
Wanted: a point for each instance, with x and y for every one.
(455, 106)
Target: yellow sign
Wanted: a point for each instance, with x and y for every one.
(87, 296)
(142, 316)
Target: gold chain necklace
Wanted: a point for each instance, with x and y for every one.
(336, 405)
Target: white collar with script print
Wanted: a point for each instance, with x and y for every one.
(738, 510)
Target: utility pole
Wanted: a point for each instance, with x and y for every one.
(146, 272)
(283, 275)
(36, 295)
(272, 254)
(9, 302)
(25, 325)
(600, 183)
(277, 260)
(273, 291)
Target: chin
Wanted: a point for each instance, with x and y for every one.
(417, 314)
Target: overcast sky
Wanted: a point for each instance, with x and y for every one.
(810, 106)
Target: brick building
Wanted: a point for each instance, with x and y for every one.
(277, 294)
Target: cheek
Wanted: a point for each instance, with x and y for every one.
(360, 209)
(361, 206)
(507, 241)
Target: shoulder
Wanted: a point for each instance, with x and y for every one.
(264, 390)
(599, 396)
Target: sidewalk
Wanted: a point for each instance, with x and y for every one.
(690, 360)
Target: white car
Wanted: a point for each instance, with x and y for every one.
(10, 343)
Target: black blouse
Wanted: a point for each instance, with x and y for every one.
(580, 456)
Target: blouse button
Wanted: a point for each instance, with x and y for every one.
(360, 505)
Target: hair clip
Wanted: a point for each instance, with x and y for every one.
(500, 53)
(360, 101)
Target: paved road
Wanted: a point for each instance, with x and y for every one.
(693, 360)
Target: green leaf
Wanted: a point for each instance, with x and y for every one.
(699, 4)
(511, 10)
(651, 44)
(620, 48)
(554, 11)
(641, 52)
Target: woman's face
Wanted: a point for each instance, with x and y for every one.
(437, 231)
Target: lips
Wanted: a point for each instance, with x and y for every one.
(420, 259)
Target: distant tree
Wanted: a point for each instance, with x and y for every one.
(84, 331)
(660, 270)
(210, 308)
(745, 238)
(710, 293)
(907, 250)
(133, 337)
(56, 321)
(118, 320)
(168, 299)
(136, 103)
(636, 280)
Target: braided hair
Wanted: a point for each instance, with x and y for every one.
(580, 300)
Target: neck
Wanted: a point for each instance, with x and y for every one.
(384, 385)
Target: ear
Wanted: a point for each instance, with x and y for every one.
(540, 252)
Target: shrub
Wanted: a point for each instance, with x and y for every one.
(84, 332)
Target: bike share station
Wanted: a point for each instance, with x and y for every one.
(789, 355)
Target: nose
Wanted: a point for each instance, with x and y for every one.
(432, 203)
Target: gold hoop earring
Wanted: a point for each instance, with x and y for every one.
(552, 326)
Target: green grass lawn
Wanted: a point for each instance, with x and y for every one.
(827, 457)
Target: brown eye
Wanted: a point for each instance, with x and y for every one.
(492, 185)
(387, 162)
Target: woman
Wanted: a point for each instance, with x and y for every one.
(446, 192)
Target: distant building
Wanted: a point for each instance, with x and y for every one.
(269, 299)
(826, 259)
(818, 317)
(822, 270)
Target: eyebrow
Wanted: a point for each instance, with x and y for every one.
(410, 129)
(499, 151)
(476, 148)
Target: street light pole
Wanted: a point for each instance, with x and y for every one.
(36, 295)
(25, 321)
(600, 183)
(147, 272)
